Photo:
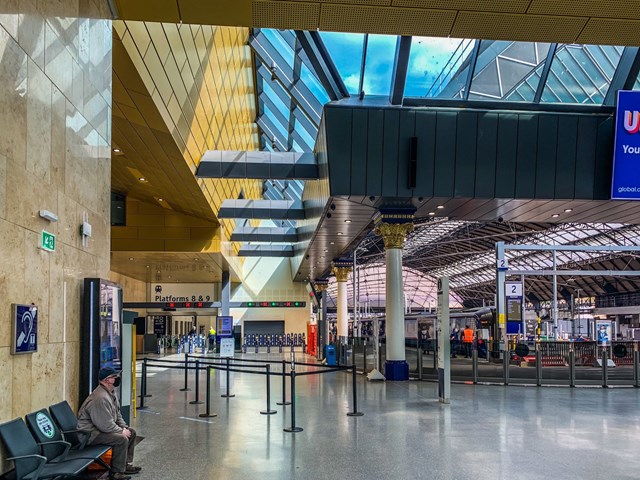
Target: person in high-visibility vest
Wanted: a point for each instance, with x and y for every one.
(212, 339)
(467, 340)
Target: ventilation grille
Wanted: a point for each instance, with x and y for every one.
(587, 8)
(506, 6)
(601, 31)
(497, 26)
(286, 15)
(386, 20)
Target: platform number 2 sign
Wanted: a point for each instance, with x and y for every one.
(502, 264)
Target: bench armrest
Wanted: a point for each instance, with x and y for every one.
(33, 455)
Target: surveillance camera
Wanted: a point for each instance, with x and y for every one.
(500, 219)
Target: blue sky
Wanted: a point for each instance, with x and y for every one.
(428, 57)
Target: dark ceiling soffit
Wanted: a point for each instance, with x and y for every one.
(545, 72)
(381, 102)
(625, 75)
(400, 66)
(264, 234)
(265, 251)
(322, 64)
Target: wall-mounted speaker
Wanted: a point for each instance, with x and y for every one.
(413, 162)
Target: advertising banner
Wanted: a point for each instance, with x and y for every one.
(625, 184)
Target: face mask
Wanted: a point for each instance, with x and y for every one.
(116, 382)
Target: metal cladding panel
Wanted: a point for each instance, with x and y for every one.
(604, 169)
(426, 132)
(527, 125)
(466, 151)
(586, 154)
(406, 131)
(487, 139)
(374, 152)
(390, 153)
(339, 125)
(507, 151)
(359, 152)
(566, 159)
(545, 175)
(445, 154)
(470, 153)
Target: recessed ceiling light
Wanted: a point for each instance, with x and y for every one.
(332, 243)
(130, 258)
(432, 213)
(322, 257)
(440, 207)
(567, 210)
(326, 250)
(161, 199)
(347, 221)
(142, 179)
(339, 233)
(555, 215)
(148, 266)
(116, 150)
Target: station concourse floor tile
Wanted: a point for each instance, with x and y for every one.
(487, 432)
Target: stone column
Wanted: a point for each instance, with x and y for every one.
(394, 231)
(341, 270)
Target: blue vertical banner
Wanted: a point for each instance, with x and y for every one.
(625, 184)
(25, 329)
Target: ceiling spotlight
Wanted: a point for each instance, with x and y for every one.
(555, 215)
(161, 200)
(567, 210)
(116, 150)
(347, 221)
(440, 207)
(339, 233)
(326, 250)
(142, 179)
(432, 213)
(332, 243)
(148, 266)
(130, 258)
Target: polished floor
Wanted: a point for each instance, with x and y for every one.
(487, 432)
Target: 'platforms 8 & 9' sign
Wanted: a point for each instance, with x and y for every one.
(625, 184)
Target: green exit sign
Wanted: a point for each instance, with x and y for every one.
(48, 241)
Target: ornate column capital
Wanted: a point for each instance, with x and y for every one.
(393, 234)
(321, 285)
(341, 271)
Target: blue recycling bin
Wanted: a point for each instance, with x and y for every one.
(330, 355)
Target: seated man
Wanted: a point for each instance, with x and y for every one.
(100, 416)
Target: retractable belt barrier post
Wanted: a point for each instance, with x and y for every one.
(474, 365)
(227, 395)
(506, 357)
(538, 365)
(208, 413)
(572, 367)
(197, 400)
(636, 358)
(364, 358)
(268, 411)
(419, 362)
(144, 362)
(284, 386)
(355, 412)
(143, 384)
(293, 428)
(605, 369)
(186, 373)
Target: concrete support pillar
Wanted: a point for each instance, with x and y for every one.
(393, 230)
(341, 272)
(225, 293)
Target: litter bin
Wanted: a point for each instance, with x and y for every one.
(330, 355)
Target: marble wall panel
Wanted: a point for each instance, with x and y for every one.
(6, 380)
(56, 299)
(31, 31)
(9, 16)
(48, 371)
(58, 136)
(58, 62)
(12, 274)
(21, 385)
(13, 89)
(38, 123)
(71, 352)
(3, 186)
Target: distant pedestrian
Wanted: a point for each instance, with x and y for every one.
(467, 341)
(212, 339)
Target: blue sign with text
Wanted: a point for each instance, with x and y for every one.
(625, 184)
(25, 329)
